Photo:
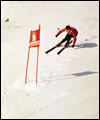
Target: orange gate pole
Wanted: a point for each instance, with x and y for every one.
(37, 64)
(27, 65)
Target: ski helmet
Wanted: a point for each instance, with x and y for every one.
(68, 27)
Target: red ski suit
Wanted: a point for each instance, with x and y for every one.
(72, 32)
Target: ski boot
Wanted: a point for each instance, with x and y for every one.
(58, 44)
(66, 45)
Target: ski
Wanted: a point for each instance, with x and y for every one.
(50, 49)
(58, 45)
(64, 48)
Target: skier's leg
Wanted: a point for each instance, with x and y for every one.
(62, 41)
(68, 40)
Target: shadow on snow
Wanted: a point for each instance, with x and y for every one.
(83, 73)
(86, 45)
(68, 76)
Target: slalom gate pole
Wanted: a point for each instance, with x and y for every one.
(37, 64)
(27, 65)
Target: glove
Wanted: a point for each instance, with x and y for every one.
(56, 35)
(73, 46)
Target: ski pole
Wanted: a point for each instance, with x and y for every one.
(58, 30)
(81, 42)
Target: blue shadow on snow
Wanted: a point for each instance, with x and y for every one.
(83, 73)
(87, 45)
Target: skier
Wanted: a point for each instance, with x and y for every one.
(71, 32)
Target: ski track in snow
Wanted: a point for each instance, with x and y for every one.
(25, 92)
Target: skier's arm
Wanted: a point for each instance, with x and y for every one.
(62, 30)
(74, 34)
(74, 41)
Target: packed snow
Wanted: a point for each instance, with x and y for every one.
(68, 84)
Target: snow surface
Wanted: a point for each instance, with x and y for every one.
(68, 85)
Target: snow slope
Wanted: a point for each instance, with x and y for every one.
(68, 85)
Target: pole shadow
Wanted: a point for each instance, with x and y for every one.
(83, 73)
(68, 76)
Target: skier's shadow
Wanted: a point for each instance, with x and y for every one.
(86, 45)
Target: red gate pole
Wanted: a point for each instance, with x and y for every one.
(37, 64)
(27, 66)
